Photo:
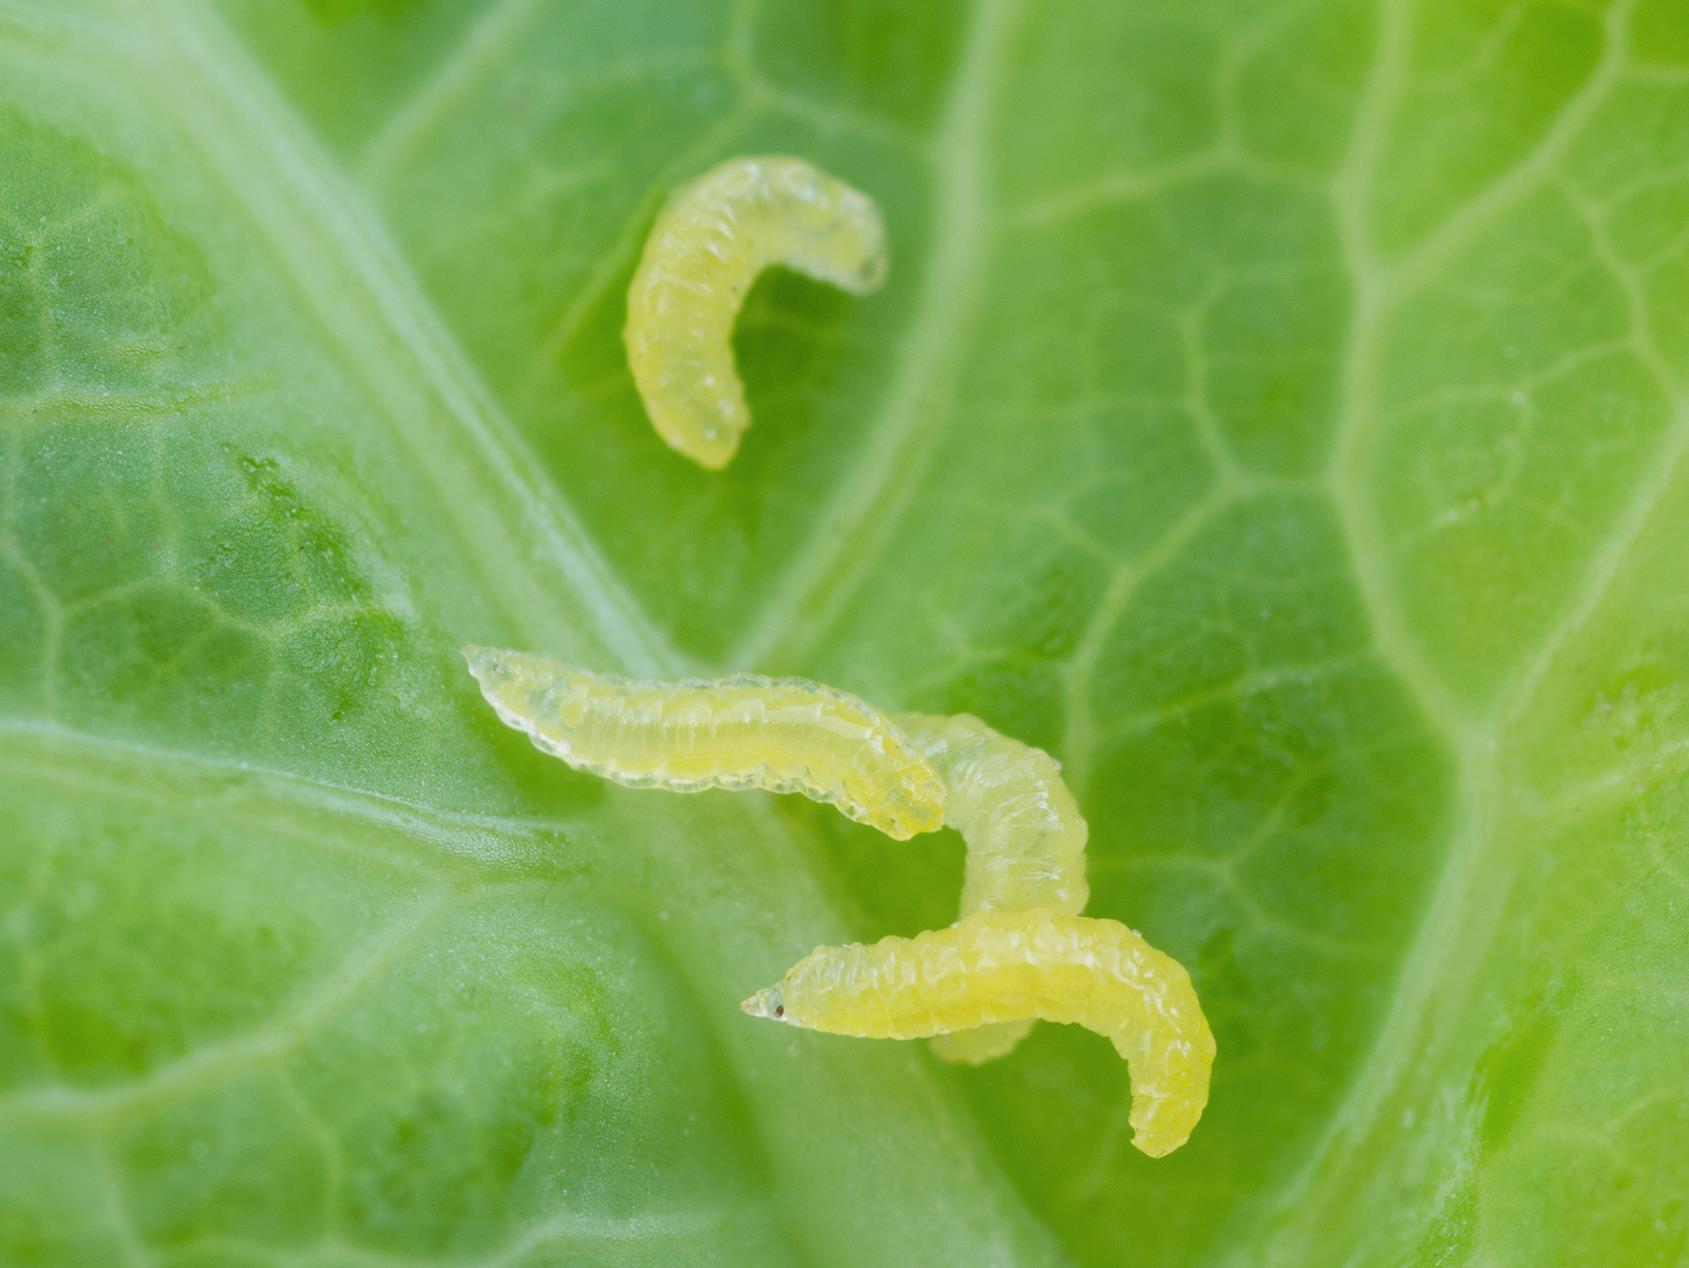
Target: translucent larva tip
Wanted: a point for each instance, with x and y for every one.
(765, 1003)
(713, 448)
(478, 658)
(1157, 1144)
(709, 442)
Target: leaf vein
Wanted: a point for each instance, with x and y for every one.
(853, 528)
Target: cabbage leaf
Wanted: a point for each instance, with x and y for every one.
(1277, 411)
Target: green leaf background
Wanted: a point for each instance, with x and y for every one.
(1277, 411)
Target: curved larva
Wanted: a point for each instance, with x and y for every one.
(779, 734)
(994, 967)
(1024, 833)
(706, 248)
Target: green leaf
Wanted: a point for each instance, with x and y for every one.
(1276, 411)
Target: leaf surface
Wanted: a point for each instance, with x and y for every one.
(1276, 412)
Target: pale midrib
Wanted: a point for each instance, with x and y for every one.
(1449, 930)
(281, 801)
(472, 457)
(854, 526)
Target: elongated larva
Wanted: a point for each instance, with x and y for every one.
(1024, 833)
(778, 734)
(994, 967)
(707, 247)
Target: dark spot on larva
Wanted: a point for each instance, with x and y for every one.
(779, 1010)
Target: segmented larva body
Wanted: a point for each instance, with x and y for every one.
(778, 734)
(994, 967)
(706, 248)
(1024, 833)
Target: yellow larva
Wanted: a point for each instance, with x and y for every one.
(1024, 833)
(779, 734)
(994, 967)
(707, 247)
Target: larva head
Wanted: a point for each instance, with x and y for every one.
(766, 1003)
(483, 661)
(495, 670)
(801, 997)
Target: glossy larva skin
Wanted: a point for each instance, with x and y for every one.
(706, 248)
(1024, 833)
(994, 967)
(778, 734)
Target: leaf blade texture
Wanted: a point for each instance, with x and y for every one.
(1276, 414)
